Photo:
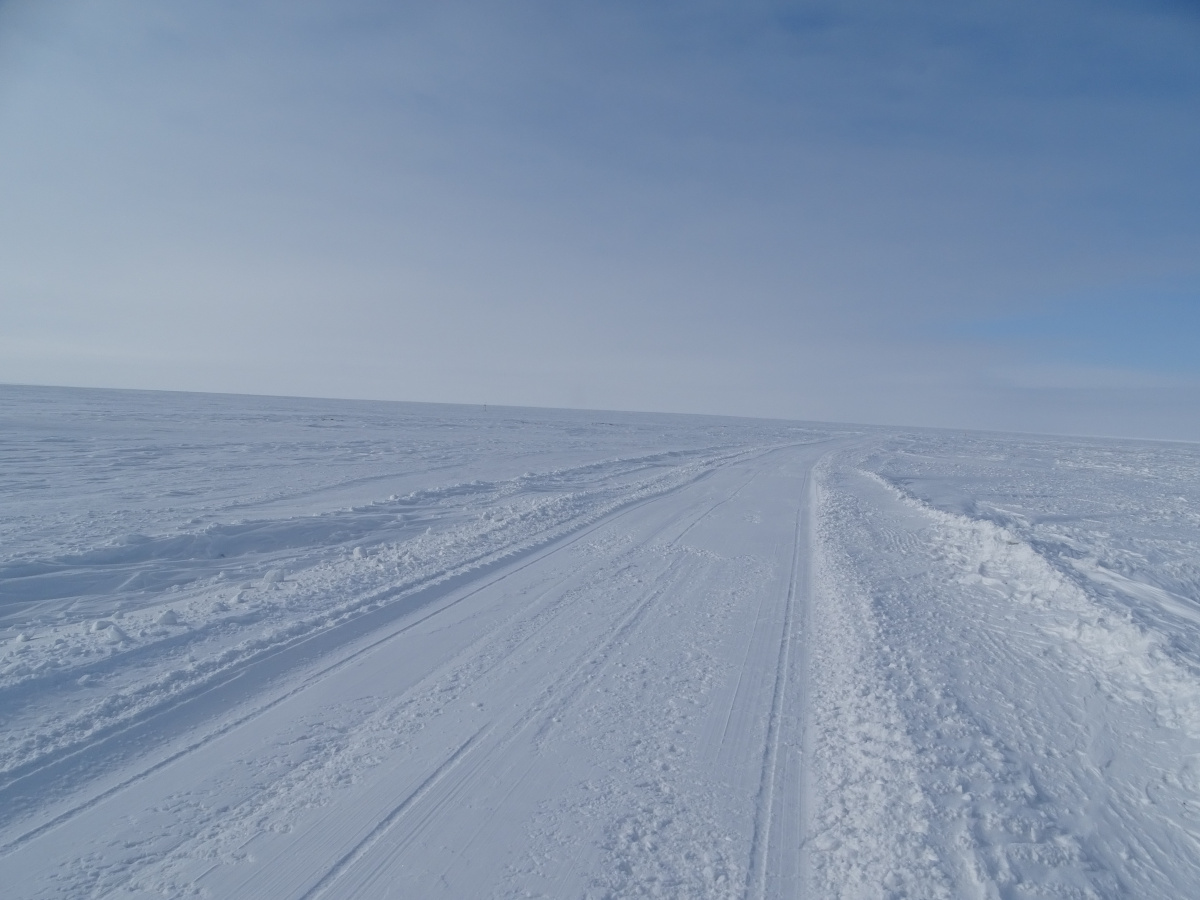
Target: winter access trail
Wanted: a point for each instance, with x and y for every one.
(617, 713)
(282, 648)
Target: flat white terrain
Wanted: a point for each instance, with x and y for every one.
(274, 648)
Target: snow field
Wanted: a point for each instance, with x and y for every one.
(306, 649)
(568, 699)
(283, 614)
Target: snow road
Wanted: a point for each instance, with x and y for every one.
(314, 649)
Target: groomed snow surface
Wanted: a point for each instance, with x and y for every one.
(273, 648)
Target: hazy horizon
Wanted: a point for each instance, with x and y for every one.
(979, 216)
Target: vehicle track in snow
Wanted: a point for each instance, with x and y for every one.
(326, 597)
(495, 740)
(777, 825)
(502, 708)
(63, 773)
(552, 697)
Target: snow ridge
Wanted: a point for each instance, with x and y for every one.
(1130, 658)
(871, 819)
(1056, 741)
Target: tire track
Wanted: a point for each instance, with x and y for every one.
(379, 831)
(560, 688)
(558, 693)
(30, 786)
(766, 823)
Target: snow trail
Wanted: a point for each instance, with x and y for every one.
(306, 649)
(567, 690)
(777, 823)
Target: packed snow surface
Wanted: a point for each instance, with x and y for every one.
(277, 648)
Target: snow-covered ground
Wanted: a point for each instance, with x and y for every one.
(272, 648)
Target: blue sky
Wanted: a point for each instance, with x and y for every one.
(975, 214)
(1150, 331)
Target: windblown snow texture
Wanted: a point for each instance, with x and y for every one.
(276, 648)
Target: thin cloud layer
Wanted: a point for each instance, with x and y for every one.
(837, 211)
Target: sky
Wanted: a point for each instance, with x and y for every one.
(978, 214)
